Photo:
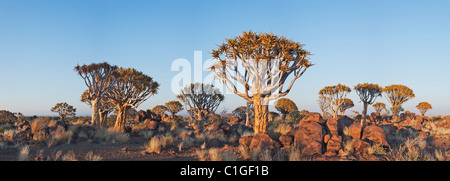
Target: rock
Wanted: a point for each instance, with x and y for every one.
(246, 140)
(332, 126)
(286, 140)
(423, 134)
(262, 141)
(334, 143)
(309, 137)
(313, 117)
(355, 130)
(22, 135)
(234, 120)
(151, 124)
(24, 125)
(375, 134)
(214, 125)
(360, 146)
(342, 123)
(225, 127)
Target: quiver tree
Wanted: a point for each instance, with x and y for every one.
(174, 107)
(160, 110)
(368, 93)
(424, 107)
(130, 89)
(104, 105)
(285, 106)
(347, 104)
(397, 95)
(379, 106)
(333, 97)
(255, 66)
(200, 99)
(64, 110)
(98, 78)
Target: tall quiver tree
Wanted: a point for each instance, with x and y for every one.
(104, 105)
(397, 95)
(260, 63)
(285, 106)
(130, 89)
(368, 93)
(424, 107)
(200, 99)
(333, 97)
(64, 110)
(98, 78)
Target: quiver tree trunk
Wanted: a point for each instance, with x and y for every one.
(95, 113)
(200, 121)
(261, 116)
(120, 122)
(103, 118)
(364, 117)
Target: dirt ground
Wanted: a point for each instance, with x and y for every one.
(133, 150)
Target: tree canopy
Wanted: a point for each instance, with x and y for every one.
(424, 107)
(174, 107)
(397, 95)
(333, 97)
(285, 106)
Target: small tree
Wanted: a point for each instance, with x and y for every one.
(347, 104)
(333, 97)
(98, 79)
(130, 89)
(379, 106)
(285, 106)
(424, 107)
(261, 63)
(174, 107)
(368, 93)
(64, 110)
(397, 95)
(200, 99)
(160, 110)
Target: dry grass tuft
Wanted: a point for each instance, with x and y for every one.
(111, 135)
(24, 152)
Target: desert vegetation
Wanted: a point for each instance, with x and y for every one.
(261, 63)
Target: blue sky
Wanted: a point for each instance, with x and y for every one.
(384, 42)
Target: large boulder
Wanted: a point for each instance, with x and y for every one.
(361, 146)
(313, 117)
(245, 141)
(343, 122)
(333, 142)
(286, 140)
(262, 141)
(376, 135)
(355, 130)
(151, 124)
(309, 137)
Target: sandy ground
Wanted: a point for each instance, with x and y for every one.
(133, 150)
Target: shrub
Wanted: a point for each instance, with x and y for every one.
(111, 135)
